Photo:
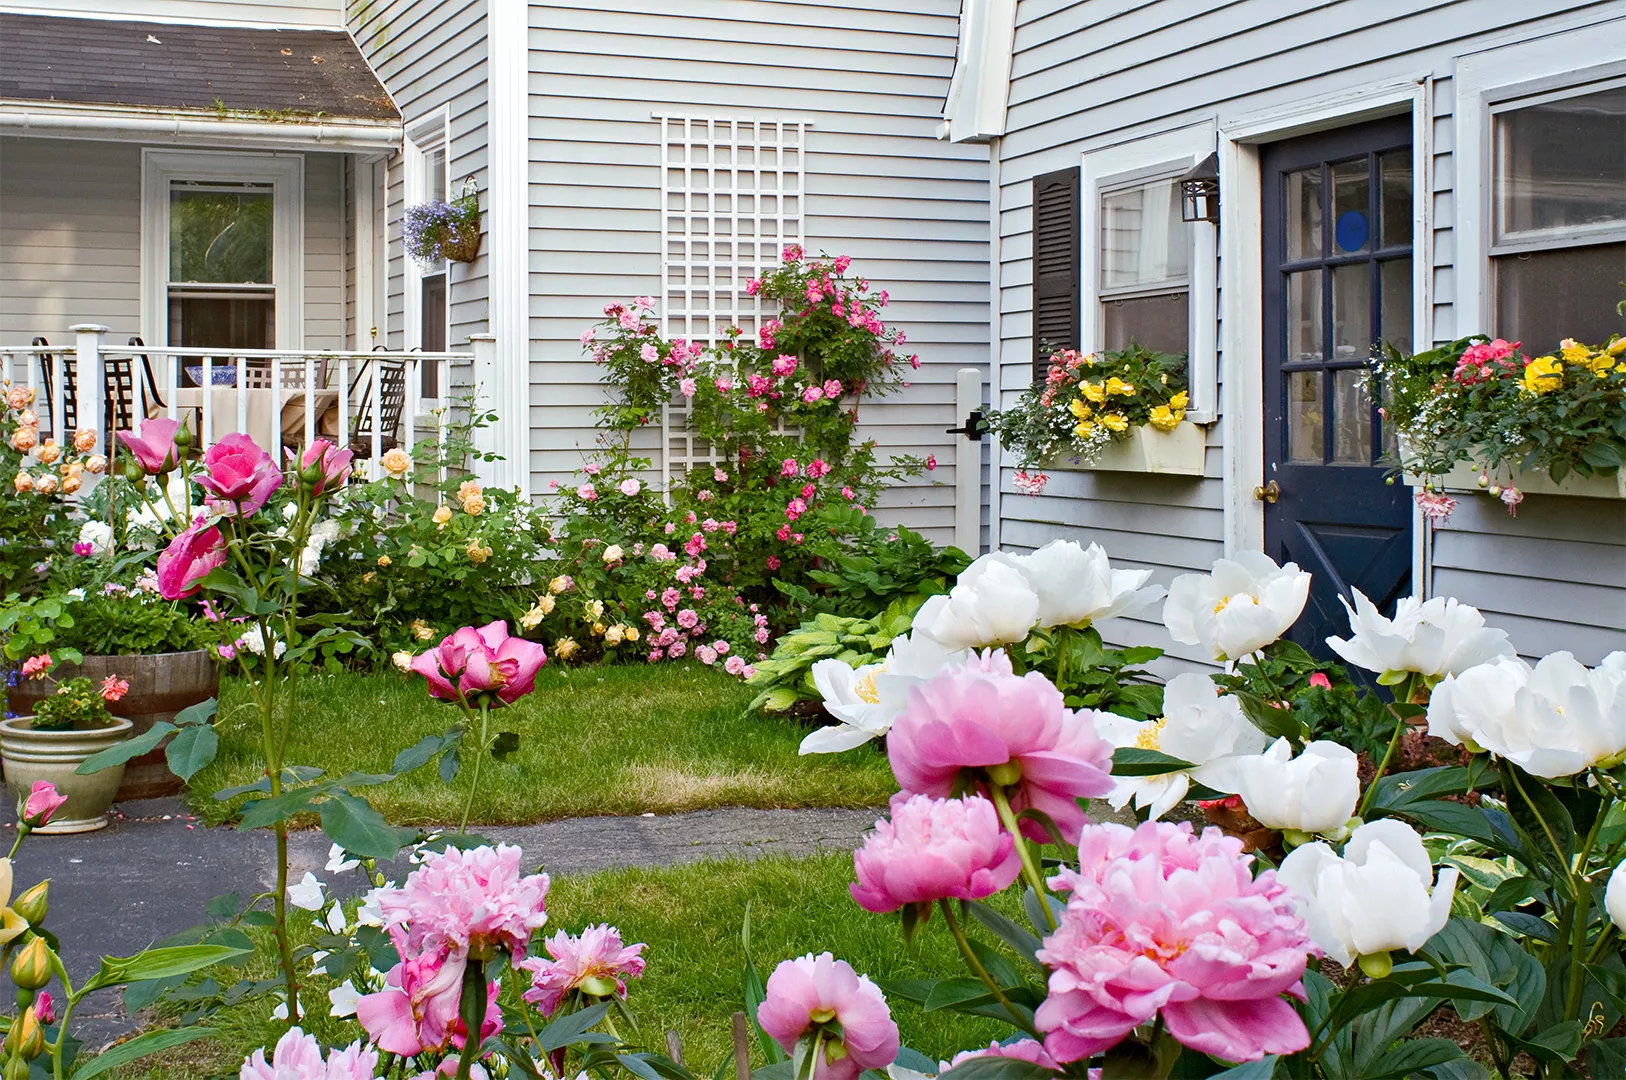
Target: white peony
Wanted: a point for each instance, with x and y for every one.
(868, 699)
(1243, 605)
(1077, 586)
(1555, 719)
(1315, 792)
(991, 604)
(1199, 725)
(99, 535)
(1431, 637)
(1381, 895)
(1614, 898)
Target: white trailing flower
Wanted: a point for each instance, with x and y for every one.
(1315, 792)
(306, 893)
(1433, 637)
(868, 699)
(1199, 725)
(338, 861)
(1380, 896)
(322, 534)
(342, 999)
(991, 604)
(1552, 720)
(1243, 605)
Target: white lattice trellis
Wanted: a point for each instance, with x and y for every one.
(731, 198)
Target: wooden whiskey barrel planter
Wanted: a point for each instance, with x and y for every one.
(161, 685)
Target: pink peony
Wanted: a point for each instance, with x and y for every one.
(155, 446)
(1021, 1050)
(328, 463)
(473, 901)
(189, 559)
(298, 1056)
(934, 849)
(42, 802)
(1162, 921)
(596, 964)
(481, 664)
(810, 991)
(981, 723)
(238, 472)
(417, 1009)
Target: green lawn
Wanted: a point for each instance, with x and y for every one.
(595, 740)
(690, 917)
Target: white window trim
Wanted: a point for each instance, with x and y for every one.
(1490, 78)
(285, 173)
(429, 133)
(1155, 157)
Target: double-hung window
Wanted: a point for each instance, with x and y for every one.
(1144, 288)
(1558, 214)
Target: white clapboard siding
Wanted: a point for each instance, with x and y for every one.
(70, 241)
(431, 56)
(911, 210)
(303, 14)
(1092, 74)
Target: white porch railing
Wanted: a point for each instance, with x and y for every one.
(368, 401)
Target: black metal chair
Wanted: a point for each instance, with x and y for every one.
(383, 399)
(118, 391)
(152, 400)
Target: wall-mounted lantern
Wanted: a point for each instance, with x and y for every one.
(1200, 191)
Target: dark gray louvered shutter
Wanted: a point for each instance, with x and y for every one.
(1056, 260)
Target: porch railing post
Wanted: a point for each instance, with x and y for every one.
(91, 384)
(967, 464)
(485, 378)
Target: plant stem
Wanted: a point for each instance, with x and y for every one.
(1394, 741)
(61, 1037)
(471, 1007)
(981, 972)
(1547, 830)
(474, 783)
(1583, 912)
(22, 831)
(1029, 869)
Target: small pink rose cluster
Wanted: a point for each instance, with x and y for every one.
(1487, 361)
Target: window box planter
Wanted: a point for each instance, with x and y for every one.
(1147, 450)
(1465, 477)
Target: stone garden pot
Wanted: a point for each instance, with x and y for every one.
(161, 685)
(32, 755)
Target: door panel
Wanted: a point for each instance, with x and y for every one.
(1337, 223)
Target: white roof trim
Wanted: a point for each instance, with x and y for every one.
(192, 126)
(980, 89)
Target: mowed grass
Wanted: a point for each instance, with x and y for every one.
(595, 740)
(690, 917)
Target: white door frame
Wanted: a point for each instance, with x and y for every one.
(1242, 420)
(430, 132)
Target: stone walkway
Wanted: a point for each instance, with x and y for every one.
(151, 873)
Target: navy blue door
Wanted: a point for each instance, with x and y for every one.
(1337, 223)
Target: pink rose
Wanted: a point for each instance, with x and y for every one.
(832, 388)
(808, 490)
(812, 394)
(934, 849)
(809, 992)
(688, 618)
(329, 464)
(189, 559)
(773, 564)
(789, 468)
(784, 365)
(1162, 922)
(676, 649)
(587, 492)
(648, 353)
(733, 665)
(705, 654)
(981, 724)
(592, 468)
(41, 803)
(239, 473)
(721, 646)
(931, 462)
(588, 335)
(484, 664)
(155, 446)
(630, 487)
(817, 468)
(724, 386)
(686, 387)
(753, 286)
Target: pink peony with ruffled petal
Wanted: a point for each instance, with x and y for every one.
(1163, 921)
(298, 1056)
(982, 722)
(595, 963)
(810, 991)
(473, 901)
(934, 849)
(1021, 1050)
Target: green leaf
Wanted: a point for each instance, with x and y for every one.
(201, 713)
(151, 1043)
(952, 993)
(1277, 723)
(1410, 1056)
(505, 744)
(223, 906)
(1607, 1057)
(996, 1068)
(262, 812)
(1263, 1069)
(352, 823)
(997, 966)
(158, 964)
(1134, 761)
(263, 784)
(1025, 944)
(419, 753)
(1531, 926)
(572, 1029)
(193, 747)
(119, 753)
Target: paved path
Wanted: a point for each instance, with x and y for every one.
(151, 873)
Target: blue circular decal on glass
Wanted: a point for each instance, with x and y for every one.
(1352, 230)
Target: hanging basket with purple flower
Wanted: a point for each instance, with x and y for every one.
(436, 231)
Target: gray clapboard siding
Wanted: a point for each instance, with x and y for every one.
(911, 210)
(431, 55)
(1092, 74)
(70, 241)
(291, 13)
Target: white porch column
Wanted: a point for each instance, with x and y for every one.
(89, 382)
(508, 234)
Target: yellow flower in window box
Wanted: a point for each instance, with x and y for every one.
(1543, 375)
(1165, 419)
(1574, 352)
(1095, 393)
(1179, 401)
(1118, 386)
(1115, 421)
(1085, 429)
(1080, 408)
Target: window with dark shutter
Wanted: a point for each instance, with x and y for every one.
(1055, 265)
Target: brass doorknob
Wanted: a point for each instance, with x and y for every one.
(1269, 493)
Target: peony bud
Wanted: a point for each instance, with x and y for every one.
(31, 967)
(33, 904)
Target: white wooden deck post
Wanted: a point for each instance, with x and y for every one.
(90, 383)
(967, 464)
(485, 392)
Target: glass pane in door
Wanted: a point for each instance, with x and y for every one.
(1304, 316)
(1303, 197)
(1351, 207)
(1304, 417)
